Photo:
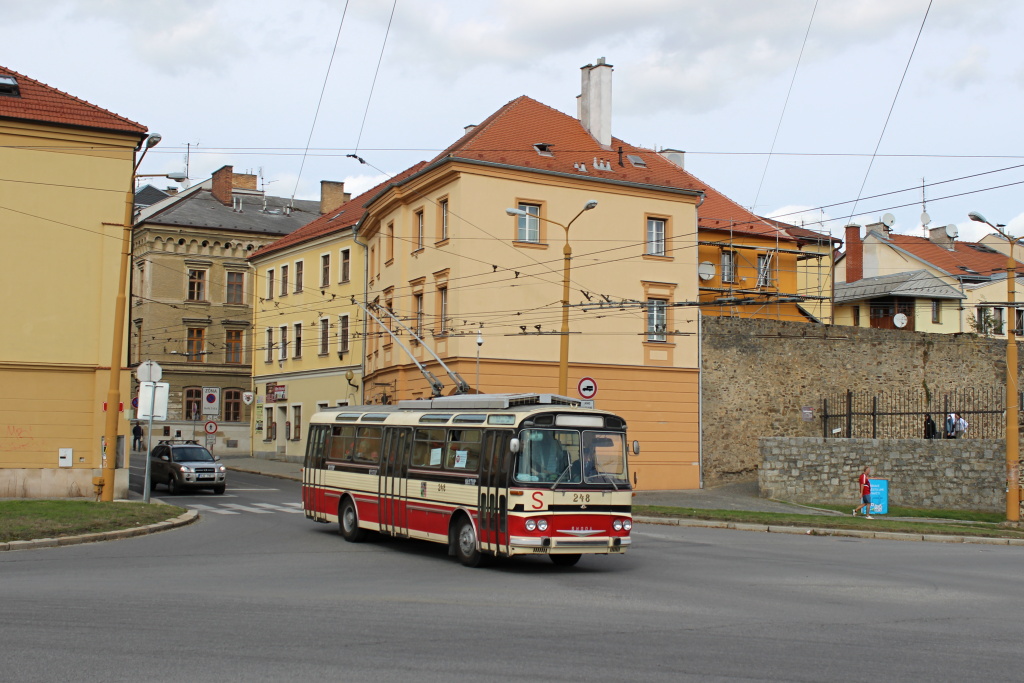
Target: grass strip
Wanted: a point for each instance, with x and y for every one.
(952, 528)
(25, 520)
(959, 515)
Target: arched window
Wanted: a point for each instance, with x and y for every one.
(192, 401)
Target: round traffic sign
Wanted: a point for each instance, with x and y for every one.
(149, 371)
(210, 427)
(587, 387)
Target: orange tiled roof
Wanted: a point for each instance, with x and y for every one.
(40, 102)
(508, 137)
(345, 216)
(983, 261)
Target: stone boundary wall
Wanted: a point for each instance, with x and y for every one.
(758, 374)
(961, 474)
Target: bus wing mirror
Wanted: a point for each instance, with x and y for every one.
(514, 445)
(636, 447)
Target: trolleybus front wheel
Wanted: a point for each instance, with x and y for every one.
(565, 560)
(465, 544)
(348, 522)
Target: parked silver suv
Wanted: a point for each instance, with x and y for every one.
(185, 464)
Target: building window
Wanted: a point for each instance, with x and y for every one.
(284, 280)
(997, 320)
(324, 333)
(343, 344)
(195, 347)
(325, 270)
(196, 285)
(298, 340)
(764, 270)
(528, 227)
(856, 316)
(269, 428)
(728, 266)
(233, 346)
(419, 229)
(298, 276)
(283, 346)
(442, 310)
(270, 283)
(270, 345)
(417, 300)
(236, 287)
(372, 260)
(936, 311)
(657, 320)
(232, 405)
(444, 220)
(191, 403)
(656, 236)
(390, 254)
(346, 265)
(296, 423)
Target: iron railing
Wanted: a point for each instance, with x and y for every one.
(902, 414)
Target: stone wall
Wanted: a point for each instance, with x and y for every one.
(962, 474)
(758, 374)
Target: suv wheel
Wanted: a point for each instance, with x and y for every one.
(173, 487)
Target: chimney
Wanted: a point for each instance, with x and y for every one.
(243, 181)
(222, 184)
(469, 129)
(594, 105)
(942, 237)
(676, 156)
(332, 195)
(854, 253)
(878, 227)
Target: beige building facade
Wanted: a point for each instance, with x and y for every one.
(68, 167)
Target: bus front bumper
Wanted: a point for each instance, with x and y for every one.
(561, 545)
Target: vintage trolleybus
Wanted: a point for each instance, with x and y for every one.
(486, 474)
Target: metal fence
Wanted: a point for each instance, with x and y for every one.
(902, 414)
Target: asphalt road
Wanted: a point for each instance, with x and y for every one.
(255, 592)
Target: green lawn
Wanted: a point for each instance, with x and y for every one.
(847, 521)
(22, 520)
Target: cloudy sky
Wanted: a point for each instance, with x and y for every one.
(239, 81)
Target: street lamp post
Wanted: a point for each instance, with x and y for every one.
(109, 461)
(479, 343)
(1012, 425)
(563, 355)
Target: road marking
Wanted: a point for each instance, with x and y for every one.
(216, 511)
(237, 489)
(278, 508)
(246, 508)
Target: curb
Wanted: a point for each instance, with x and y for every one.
(187, 517)
(290, 477)
(816, 531)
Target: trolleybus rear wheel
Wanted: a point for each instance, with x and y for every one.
(465, 544)
(348, 522)
(565, 560)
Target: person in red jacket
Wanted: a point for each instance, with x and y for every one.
(865, 493)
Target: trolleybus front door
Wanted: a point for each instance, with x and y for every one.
(313, 500)
(393, 481)
(492, 520)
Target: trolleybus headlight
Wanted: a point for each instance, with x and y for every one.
(531, 525)
(627, 524)
(617, 525)
(542, 524)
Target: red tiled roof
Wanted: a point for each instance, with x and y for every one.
(508, 137)
(347, 215)
(40, 102)
(800, 233)
(982, 262)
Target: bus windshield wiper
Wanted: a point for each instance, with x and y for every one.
(564, 472)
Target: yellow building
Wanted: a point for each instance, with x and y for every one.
(307, 335)
(67, 172)
(445, 257)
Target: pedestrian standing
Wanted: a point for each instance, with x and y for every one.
(929, 427)
(950, 430)
(137, 437)
(960, 427)
(865, 493)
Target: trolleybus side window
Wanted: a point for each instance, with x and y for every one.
(315, 446)
(342, 441)
(428, 447)
(368, 444)
(463, 451)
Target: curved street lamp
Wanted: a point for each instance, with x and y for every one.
(563, 355)
(1012, 425)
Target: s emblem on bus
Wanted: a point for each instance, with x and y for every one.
(423, 489)
(538, 500)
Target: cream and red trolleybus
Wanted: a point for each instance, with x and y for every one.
(486, 474)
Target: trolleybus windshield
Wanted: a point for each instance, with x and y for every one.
(569, 456)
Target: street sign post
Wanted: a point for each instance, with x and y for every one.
(152, 403)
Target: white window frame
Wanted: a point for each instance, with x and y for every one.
(764, 269)
(728, 266)
(204, 281)
(344, 345)
(300, 272)
(444, 219)
(657, 316)
(528, 227)
(325, 270)
(656, 239)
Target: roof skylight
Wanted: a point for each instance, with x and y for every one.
(636, 160)
(9, 86)
(544, 149)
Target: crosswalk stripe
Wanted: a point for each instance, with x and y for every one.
(277, 508)
(246, 508)
(216, 511)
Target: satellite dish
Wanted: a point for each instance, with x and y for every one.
(706, 270)
(951, 231)
(888, 220)
(925, 218)
(900, 320)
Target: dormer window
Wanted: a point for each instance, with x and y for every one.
(544, 149)
(9, 86)
(636, 160)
